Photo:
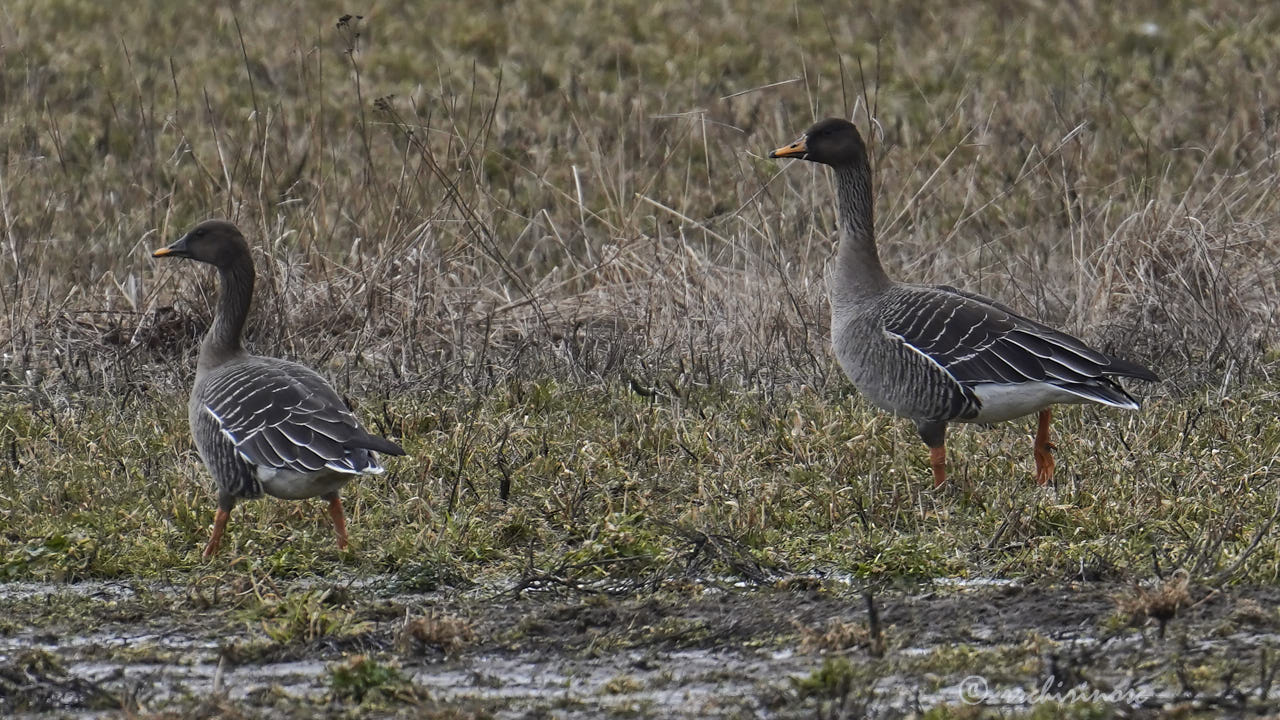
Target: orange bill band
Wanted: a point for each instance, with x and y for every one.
(797, 148)
(161, 252)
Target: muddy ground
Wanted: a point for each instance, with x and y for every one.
(802, 647)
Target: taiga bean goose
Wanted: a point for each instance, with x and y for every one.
(262, 424)
(935, 354)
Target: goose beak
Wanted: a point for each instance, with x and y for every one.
(798, 149)
(177, 249)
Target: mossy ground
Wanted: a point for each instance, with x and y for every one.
(603, 484)
(539, 244)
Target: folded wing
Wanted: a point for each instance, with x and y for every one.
(281, 415)
(977, 341)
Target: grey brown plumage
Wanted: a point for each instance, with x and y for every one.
(265, 425)
(936, 354)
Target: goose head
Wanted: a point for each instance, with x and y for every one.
(216, 242)
(833, 141)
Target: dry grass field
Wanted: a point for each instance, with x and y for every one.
(542, 246)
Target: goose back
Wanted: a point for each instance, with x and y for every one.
(975, 359)
(267, 421)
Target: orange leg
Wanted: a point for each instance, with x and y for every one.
(1044, 449)
(339, 521)
(938, 460)
(219, 526)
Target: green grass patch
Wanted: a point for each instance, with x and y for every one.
(609, 488)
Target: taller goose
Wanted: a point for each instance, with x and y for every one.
(264, 425)
(935, 354)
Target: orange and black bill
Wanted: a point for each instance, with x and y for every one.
(798, 149)
(177, 249)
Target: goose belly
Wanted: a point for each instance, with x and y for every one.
(1002, 402)
(293, 485)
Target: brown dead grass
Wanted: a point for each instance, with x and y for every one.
(435, 631)
(1160, 600)
(435, 197)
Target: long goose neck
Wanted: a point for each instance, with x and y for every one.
(858, 272)
(222, 342)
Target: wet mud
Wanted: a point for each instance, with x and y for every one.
(701, 649)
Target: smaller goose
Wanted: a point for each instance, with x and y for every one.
(935, 354)
(262, 424)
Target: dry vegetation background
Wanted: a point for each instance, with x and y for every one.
(579, 188)
(488, 225)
